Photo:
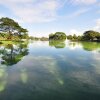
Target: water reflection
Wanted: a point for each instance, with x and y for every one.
(57, 44)
(88, 46)
(71, 73)
(12, 54)
(24, 75)
(3, 78)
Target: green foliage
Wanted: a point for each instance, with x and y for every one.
(69, 37)
(74, 37)
(87, 36)
(57, 36)
(10, 28)
(90, 46)
(57, 43)
(24, 36)
(91, 35)
(38, 38)
(44, 39)
(12, 54)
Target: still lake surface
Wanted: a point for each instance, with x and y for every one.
(50, 71)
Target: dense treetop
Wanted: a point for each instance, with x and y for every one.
(58, 36)
(11, 27)
(87, 36)
(91, 35)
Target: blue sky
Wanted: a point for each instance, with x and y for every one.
(42, 17)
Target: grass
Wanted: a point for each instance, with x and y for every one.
(10, 42)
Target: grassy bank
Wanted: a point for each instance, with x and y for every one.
(11, 42)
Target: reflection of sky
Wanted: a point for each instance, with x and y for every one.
(48, 69)
(50, 61)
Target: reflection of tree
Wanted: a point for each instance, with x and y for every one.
(73, 44)
(57, 44)
(12, 54)
(90, 46)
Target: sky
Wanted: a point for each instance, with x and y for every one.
(42, 17)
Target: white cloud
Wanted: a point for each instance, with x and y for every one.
(78, 13)
(97, 27)
(74, 31)
(33, 10)
(30, 11)
(86, 2)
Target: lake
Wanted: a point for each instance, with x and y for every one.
(39, 70)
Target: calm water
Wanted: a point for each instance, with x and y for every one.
(50, 71)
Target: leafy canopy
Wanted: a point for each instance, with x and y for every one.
(10, 26)
(58, 36)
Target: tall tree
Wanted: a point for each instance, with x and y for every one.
(57, 36)
(91, 35)
(10, 26)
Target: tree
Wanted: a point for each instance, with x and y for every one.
(69, 37)
(91, 35)
(57, 36)
(23, 33)
(74, 37)
(11, 27)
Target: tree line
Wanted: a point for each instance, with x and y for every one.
(87, 36)
(11, 30)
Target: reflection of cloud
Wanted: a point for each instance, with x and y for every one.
(3, 77)
(44, 64)
(24, 76)
(2, 85)
(74, 45)
(84, 77)
(84, 69)
(82, 58)
(96, 55)
(96, 61)
(96, 66)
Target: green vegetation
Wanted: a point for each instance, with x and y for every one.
(11, 30)
(38, 38)
(44, 39)
(87, 36)
(90, 46)
(57, 43)
(74, 37)
(91, 36)
(13, 53)
(57, 36)
(87, 46)
(57, 40)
